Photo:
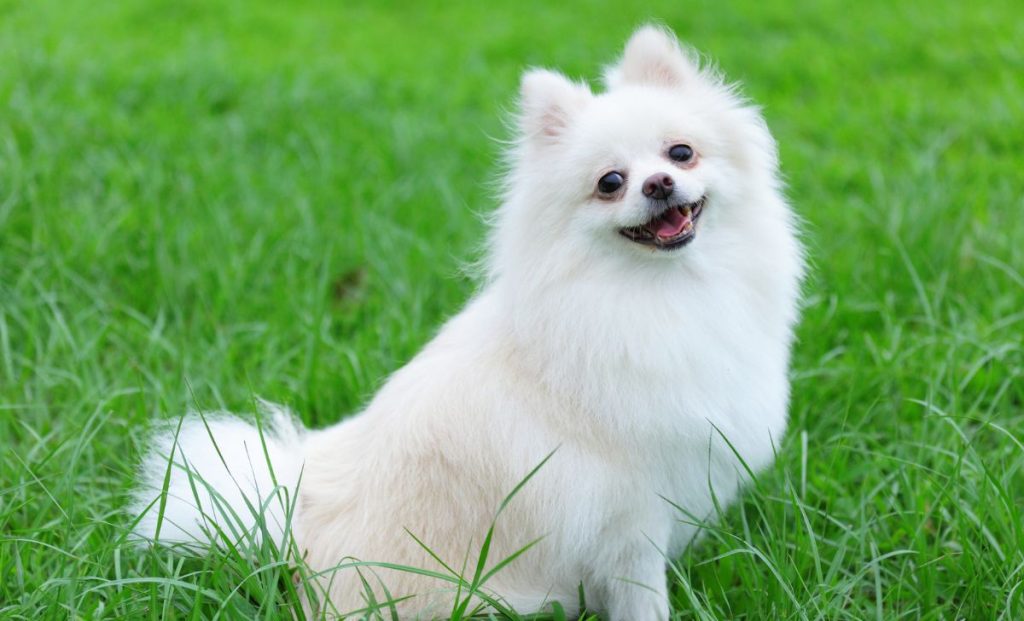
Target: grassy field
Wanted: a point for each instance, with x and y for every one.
(204, 201)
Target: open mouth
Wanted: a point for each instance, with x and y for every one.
(671, 229)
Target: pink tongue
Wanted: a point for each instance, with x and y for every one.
(670, 224)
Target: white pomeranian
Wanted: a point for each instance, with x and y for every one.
(635, 327)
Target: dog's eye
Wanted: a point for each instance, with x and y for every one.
(681, 153)
(610, 183)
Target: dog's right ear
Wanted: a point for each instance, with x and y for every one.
(548, 102)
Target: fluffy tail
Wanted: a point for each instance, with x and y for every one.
(215, 479)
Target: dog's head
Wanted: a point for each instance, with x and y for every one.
(648, 171)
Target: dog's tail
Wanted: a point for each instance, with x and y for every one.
(216, 479)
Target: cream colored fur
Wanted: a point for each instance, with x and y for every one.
(633, 365)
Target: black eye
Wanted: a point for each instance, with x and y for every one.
(611, 182)
(681, 153)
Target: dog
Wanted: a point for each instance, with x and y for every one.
(621, 372)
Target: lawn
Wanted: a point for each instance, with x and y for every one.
(205, 201)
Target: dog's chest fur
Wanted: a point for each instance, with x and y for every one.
(682, 375)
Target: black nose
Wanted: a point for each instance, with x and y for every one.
(658, 185)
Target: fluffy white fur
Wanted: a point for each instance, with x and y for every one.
(633, 365)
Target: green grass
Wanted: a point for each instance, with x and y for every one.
(203, 201)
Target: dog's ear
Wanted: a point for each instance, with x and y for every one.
(653, 56)
(548, 101)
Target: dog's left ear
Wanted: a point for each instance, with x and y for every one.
(653, 56)
(548, 102)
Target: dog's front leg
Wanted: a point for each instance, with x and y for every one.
(635, 588)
